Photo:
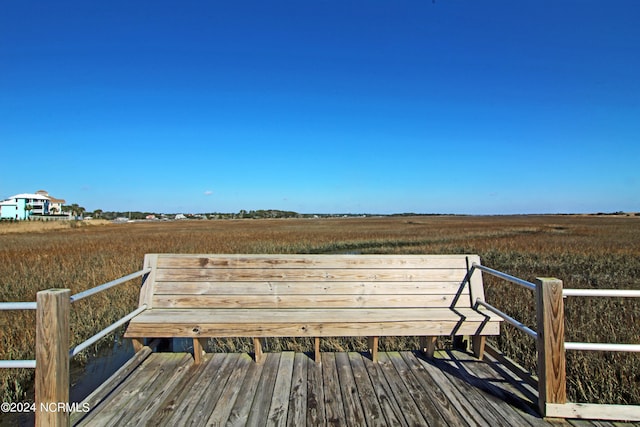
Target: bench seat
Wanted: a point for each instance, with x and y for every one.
(309, 322)
(295, 295)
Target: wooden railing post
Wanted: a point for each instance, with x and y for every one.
(552, 382)
(52, 357)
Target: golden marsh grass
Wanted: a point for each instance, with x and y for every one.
(583, 251)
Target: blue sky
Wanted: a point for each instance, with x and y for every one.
(470, 107)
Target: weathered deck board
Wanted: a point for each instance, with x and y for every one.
(494, 398)
(210, 394)
(264, 392)
(403, 395)
(297, 415)
(440, 411)
(230, 392)
(280, 401)
(178, 406)
(345, 389)
(354, 414)
(373, 409)
(241, 408)
(315, 394)
(333, 405)
(446, 396)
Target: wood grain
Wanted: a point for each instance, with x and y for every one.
(264, 261)
(245, 295)
(404, 389)
(52, 355)
(552, 380)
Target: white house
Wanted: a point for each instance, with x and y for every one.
(22, 206)
(55, 205)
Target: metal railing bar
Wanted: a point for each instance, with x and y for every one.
(506, 277)
(601, 346)
(624, 293)
(18, 306)
(108, 285)
(12, 364)
(519, 325)
(77, 349)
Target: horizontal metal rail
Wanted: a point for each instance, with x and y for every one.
(108, 285)
(80, 347)
(13, 364)
(519, 325)
(613, 293)
(18, 306)
(623, 293)
(78, 296)
(601, 346)
(505, 276)
(31, 364)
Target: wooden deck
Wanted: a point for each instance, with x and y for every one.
(403, 389)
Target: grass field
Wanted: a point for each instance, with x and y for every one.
(583, 251)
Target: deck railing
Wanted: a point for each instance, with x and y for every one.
(52, 347)
(551, 347)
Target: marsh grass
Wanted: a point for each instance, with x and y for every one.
(37, 226)
(584, 252)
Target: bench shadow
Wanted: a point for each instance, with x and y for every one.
(464, 370)
(466, 281)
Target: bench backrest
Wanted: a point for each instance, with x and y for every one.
(309, 281)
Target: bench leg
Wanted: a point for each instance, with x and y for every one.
(198, 350)
(257, 350)
(316, 350)
(478, 342)
(428, 346)
(138, 343)
(373, 348)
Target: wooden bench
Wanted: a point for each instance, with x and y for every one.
(260, 296)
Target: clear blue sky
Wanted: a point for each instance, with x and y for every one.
(473, 107)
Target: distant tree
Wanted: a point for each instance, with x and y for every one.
(97, 213)
(76, 210)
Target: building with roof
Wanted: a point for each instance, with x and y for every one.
(55, 205)
(25, 205)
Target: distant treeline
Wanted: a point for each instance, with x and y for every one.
(242, 214)
(256, 214)
(270, 213)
